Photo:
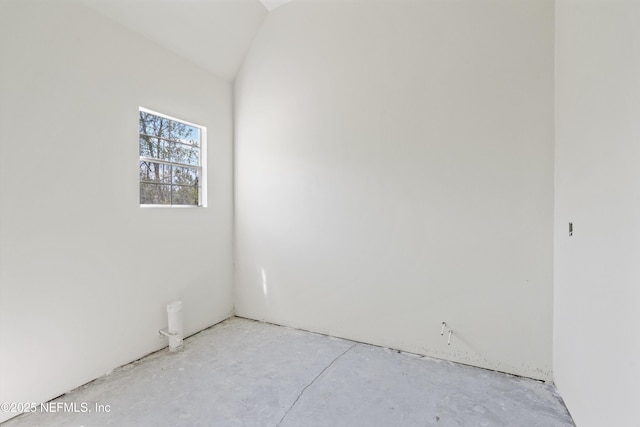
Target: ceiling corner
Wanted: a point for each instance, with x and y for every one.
(272, 4)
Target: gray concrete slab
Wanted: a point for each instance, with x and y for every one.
(247, 373)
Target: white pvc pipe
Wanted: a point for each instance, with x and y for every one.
(174, 314)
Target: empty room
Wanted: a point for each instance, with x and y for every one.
(319, 213)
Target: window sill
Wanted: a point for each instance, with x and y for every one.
(173, 206)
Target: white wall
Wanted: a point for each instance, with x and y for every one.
(597, 292)
(85, 273)
(394, 169)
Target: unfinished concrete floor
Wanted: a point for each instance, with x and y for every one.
(246, 373)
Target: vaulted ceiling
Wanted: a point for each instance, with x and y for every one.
(214, 34)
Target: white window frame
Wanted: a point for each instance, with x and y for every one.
(202, 180)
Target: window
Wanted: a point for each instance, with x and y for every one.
(172, 169)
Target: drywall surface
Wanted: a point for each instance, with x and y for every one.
(597, 297)
(394, 169)
(215, 34)
(85, 273)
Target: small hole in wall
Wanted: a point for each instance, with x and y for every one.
(570, 229)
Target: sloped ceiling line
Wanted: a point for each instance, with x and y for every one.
(214, 34)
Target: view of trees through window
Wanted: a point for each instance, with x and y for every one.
(170, 168)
